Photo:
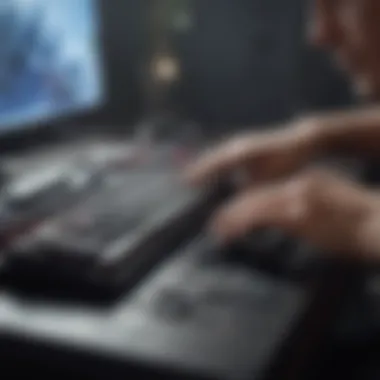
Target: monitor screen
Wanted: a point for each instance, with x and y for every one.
(50, 62)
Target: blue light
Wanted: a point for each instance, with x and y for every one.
(50, 62)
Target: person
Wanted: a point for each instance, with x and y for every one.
(282, 187)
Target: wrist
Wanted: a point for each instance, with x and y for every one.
(328, 133)
(312, 134)
(342, 133)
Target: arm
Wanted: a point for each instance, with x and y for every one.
(350, 132)
(282, 151)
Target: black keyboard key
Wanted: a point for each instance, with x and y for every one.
(54, 256)
(105, 248)
(50, 189)
(208, 251)
(103, 228)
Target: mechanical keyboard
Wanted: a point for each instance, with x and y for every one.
(104, 242)
(125, 282)
(27, 200)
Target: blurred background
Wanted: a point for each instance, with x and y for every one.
(239, 62)
(219, 64)
(179, 69)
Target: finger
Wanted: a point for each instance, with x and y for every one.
(270, 206)
(220, 160)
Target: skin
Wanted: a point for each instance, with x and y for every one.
(280, 189)
(350, 30)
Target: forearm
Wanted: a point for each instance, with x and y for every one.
(351, 132)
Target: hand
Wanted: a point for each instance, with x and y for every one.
(261, 155)
(330, 212)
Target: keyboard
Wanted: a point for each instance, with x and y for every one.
(27, 200)
(189, 319)
(105, 242)
(125, 282)
(41, 186)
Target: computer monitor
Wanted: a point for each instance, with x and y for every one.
(50, 62)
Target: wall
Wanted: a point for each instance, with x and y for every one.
(241, 59)
(123, 41)
(243, 63)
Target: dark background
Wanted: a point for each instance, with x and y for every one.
(230, 60)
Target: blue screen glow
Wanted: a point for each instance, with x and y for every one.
(50, 62)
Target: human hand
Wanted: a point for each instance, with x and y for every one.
(262, 155)
(330, 212)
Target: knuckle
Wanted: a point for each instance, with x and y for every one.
(303, 194)
(298, 210)
(311, 184)
(239, 144)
